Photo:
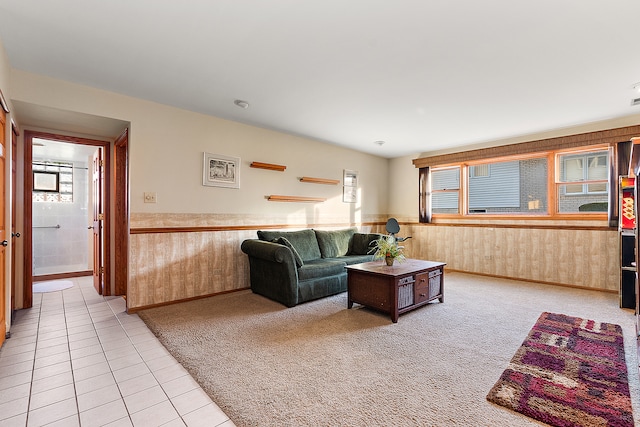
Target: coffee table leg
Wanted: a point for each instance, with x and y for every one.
(349, 302)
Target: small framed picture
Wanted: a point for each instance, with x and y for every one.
(350, 178)
(221, 171)
(349, 194)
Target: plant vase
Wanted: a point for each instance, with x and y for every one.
(387, 248)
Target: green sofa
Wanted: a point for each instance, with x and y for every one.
(293, 267)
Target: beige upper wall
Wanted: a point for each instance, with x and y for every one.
(5, 71)
(403, 189)
(166, 157)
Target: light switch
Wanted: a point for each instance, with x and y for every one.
(150, 197)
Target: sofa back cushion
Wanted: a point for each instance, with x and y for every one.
(361, 243)
(304, 241)
(334, 243)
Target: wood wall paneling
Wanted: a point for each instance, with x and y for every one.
(191, 262)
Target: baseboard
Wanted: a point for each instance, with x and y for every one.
(564, 285)
(162, 304)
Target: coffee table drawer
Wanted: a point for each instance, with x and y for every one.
(428, 285)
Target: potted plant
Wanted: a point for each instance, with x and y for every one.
(386, 247)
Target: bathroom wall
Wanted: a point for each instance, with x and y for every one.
(64, 249)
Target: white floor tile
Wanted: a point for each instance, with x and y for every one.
(54, 395)
(47, 383)
(78, 359)
(17, 421)
(156, 415)
(51, 370)
(98, 397)
(103, 414)
(134, 385)
(207, 416)
(54, 412)
(13, 407)
(191, 401)
(144, 399)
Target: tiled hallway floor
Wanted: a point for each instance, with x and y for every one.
(78, 359)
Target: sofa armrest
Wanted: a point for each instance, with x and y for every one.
(273, 272)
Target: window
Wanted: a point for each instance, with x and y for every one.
(46, 181)
(479, 171)
(516, 187)
(445, 190)
(53, 182)
(582, 184)
(524, 185)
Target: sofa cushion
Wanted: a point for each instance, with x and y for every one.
(296, 256)
(360, 243)
(304, 241)
(352, 259)
(335, 242)
(320, 268)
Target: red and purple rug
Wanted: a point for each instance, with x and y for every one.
(568, 372)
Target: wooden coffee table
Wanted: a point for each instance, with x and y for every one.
(395, 289)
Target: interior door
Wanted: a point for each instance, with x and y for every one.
(98, 217)
(14, 233)
(3, 232)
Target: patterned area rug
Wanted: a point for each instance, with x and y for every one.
(568, 372)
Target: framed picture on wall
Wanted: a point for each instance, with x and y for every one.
(350, 178)
(349, 194)
(350, 186)
(221, 171)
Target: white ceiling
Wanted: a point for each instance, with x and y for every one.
(422, 75)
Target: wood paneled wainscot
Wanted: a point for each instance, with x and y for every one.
(574, 256)
(178, 257)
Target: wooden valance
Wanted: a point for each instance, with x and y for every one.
(610, 136)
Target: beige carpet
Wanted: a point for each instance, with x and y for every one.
(320, 364)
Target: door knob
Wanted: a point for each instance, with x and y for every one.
(15, 234)
(4, 243)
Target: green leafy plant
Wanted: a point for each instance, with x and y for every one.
(387, 247)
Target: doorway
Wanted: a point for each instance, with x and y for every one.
(61, 202)
(57, 216)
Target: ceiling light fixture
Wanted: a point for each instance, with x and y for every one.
(380, 143)
(242, 104)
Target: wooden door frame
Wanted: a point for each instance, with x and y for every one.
(28, 206)
(4, 233)
(121, 214)
(15, 133)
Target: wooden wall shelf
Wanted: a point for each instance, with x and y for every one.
(274, 198)
(319, 180)
(268, 166)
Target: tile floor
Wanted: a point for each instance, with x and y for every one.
(78, 359)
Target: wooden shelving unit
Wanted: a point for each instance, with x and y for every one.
(319, 180)
(268, 166)
(275, 198)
